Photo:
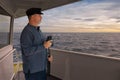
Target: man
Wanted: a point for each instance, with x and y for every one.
(34, 46)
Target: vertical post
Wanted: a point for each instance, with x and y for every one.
(11, 30)
(48, 63)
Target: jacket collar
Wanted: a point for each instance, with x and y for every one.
(38, 27)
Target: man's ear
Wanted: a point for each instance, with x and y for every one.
(30, 17)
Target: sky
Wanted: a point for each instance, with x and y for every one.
(82, 16)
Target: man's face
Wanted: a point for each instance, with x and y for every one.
(37, 18)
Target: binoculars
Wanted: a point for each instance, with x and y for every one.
(49, 38)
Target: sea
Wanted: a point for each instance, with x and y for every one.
(107, 44)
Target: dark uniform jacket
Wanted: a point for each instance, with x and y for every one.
(34, 54)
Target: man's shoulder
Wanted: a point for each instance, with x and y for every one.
(26, 31)
(27, 28)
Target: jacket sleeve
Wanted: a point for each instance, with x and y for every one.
(27, 47)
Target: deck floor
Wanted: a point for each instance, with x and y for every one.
(20, 76)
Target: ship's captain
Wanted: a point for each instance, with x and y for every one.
(34, 46)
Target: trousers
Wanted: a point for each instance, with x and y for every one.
(41, 75)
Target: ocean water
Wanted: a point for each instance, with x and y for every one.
(107, 44)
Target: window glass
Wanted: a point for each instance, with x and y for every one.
(4, 30)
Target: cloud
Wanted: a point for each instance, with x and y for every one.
(90, 19)
(82, 14)
(77, 19)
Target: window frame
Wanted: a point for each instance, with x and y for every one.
(10, 31)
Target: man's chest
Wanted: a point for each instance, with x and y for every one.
(38, 38)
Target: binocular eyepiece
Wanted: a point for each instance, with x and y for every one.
(49, 38)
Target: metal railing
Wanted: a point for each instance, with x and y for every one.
(69, 65)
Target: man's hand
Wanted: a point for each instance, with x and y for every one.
(47, 44)
(50, 59)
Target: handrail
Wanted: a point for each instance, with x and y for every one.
(70, 65)
(4, 57)
(12, 78)
(86, 54)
